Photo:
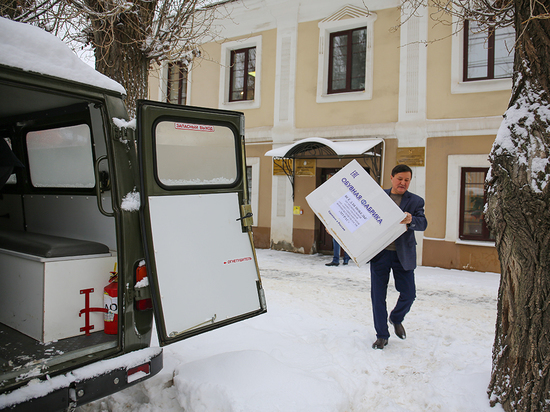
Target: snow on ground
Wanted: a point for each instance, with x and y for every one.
(312, 350)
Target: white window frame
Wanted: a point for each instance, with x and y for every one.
(188, 68)
(325, 30)
(163, 84)
(254, 162)
(458, 86)
(225, 72)
(455, 163)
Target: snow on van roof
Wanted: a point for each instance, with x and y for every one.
(33, 49)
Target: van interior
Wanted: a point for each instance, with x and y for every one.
(57, 234)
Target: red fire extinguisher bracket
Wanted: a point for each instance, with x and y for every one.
(86, 311)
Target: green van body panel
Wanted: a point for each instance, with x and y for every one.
(35, 102)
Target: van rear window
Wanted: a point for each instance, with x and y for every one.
(195, 154)
(61, 157)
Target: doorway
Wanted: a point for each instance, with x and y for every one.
(324, 240)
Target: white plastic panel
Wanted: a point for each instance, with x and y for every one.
(205, 264)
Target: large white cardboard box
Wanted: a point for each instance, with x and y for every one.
(357, 212)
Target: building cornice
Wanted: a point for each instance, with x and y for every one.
(477, 126)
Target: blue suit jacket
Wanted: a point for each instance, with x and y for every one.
(406, 243)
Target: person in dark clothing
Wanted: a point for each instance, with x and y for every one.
(399, 258)
(336, 255)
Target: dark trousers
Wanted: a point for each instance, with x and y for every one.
(404, 283)
(336, 254)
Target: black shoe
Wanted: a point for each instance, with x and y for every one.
(379, 343)
(332, 264)
(399, 330)
(345, 263)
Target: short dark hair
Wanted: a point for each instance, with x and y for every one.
(401, 169)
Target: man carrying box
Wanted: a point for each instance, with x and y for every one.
(400, 258)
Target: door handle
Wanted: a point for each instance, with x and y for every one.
(98, 187)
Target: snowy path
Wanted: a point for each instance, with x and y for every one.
(312, 350)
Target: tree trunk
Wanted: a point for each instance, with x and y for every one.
(518, 212)
(119, 43)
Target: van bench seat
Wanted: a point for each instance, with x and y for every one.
(48, 246)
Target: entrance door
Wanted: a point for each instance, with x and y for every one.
(324, 242)
(201, 261)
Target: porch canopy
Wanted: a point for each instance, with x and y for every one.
(314, 147)
(370, 150)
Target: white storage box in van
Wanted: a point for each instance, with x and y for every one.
(46, 292)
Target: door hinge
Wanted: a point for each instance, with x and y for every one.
(247, 216)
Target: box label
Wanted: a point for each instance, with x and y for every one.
(349, 210)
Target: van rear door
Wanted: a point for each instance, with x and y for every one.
(196, 219)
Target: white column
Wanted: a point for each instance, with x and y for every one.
(411, 128)
(283, 116)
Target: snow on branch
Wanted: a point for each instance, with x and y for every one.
(163, 30)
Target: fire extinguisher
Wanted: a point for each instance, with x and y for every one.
(110, 303)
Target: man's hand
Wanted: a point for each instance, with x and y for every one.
(408, 219)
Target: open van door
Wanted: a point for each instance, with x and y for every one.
(196, 219)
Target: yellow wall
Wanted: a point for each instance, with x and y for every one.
(262, 221)
(441, 104)
(438, 253)
(205, 77)
(264, 204)
(390, 160)
(437, 151)
(384, 104)
(154, 83)
(206, 80)
(303, 186)
(436, 250)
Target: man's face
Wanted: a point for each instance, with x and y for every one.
(400, 183)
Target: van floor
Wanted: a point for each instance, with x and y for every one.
(19, 352)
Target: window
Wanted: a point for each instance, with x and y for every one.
(181, 150)
(176, 91)
(61, 157)
(230, 96)
(348, 51)
(243, 74)
(472, 203)
(346, 58)
(488, 55)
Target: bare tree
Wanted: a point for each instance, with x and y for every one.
(126, 36)
(518, 205)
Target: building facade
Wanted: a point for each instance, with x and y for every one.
(322, 83)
